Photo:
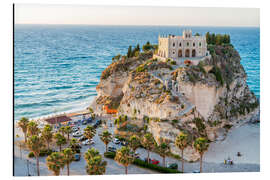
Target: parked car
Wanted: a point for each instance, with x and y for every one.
(111, 149)
(136, 155)
(124, 143)
(152, 161)
(98, 122)
(196, 171)
(173, 166)
(74, 129)
(77, 157)
(77, 134)
(82, 138)
(84, 122)
(116, 141)
(87, 142)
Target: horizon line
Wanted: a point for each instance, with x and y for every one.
(137, 25)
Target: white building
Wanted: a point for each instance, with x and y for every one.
(176, 47)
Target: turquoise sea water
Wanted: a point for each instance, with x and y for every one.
(57, 67)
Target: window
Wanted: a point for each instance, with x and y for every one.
(180, 44)
(187, 43)
(193, 44)
(200, 44)
(173, 44)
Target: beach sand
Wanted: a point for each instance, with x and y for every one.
(244, 139)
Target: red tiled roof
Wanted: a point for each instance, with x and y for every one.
(58, 119)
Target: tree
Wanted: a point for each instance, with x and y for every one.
(124, 157)
(208, 38)
(68, 130)
(47, 135)
(134, 142)
(147, 46)
(181, 142)
(106, 137)
(55, 162)
(32, 128)
(68, 157)
(60, 140)
(163, 149)
(89, 132)
(62, 130)
(197, 34)
(35, 144)
(23, 123)
(129, 51)
(95, 164)
(201, 145)
(149, 143)
(74, 144)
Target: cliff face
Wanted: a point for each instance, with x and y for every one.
(201, 100)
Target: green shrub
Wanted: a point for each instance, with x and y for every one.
(216, 71)
(144, 164)
(154, 167)
(31, 155)
(173, 62)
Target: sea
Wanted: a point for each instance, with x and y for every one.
(57, 67)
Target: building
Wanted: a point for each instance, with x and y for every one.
(185, 46)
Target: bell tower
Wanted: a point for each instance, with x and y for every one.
(187, 34)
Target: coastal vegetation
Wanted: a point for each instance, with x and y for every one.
(35, 144)
(47, 134)
(23, 123)
(106, 138)
(95, 164)
(181, 142)
(55, 162)
(163, 150)
(217, 39)
(201, 145)
(124, 157)
(68, 157)
(148, 143)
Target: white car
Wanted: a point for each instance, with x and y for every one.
(116, 141)
(74, 129)
(77, 134)
(87, 142)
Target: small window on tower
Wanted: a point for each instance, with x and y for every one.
(180, 44)
(173, 44)
(193, 44)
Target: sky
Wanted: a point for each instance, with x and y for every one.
(135, 15)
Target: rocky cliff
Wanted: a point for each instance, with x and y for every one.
(166, 97)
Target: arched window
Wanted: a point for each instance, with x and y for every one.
(193, 44)
(173, 44)
(180, 44)
(200, 44)
(187, 43)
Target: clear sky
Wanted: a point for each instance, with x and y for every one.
(132, 15)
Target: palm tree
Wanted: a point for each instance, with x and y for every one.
(47, 135)
(69, 157)
(149, 143)
(163, 149)
(89, 132)
(134, 142)
(73, 144)
(32, 128)
(95, 164)
(201, 145)
(35, 144)
(62, 130)
(60, 140)
(23, 123)
(106, 137)
(124, 157)
(68, 130)
(55, 162)
(181, 142)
